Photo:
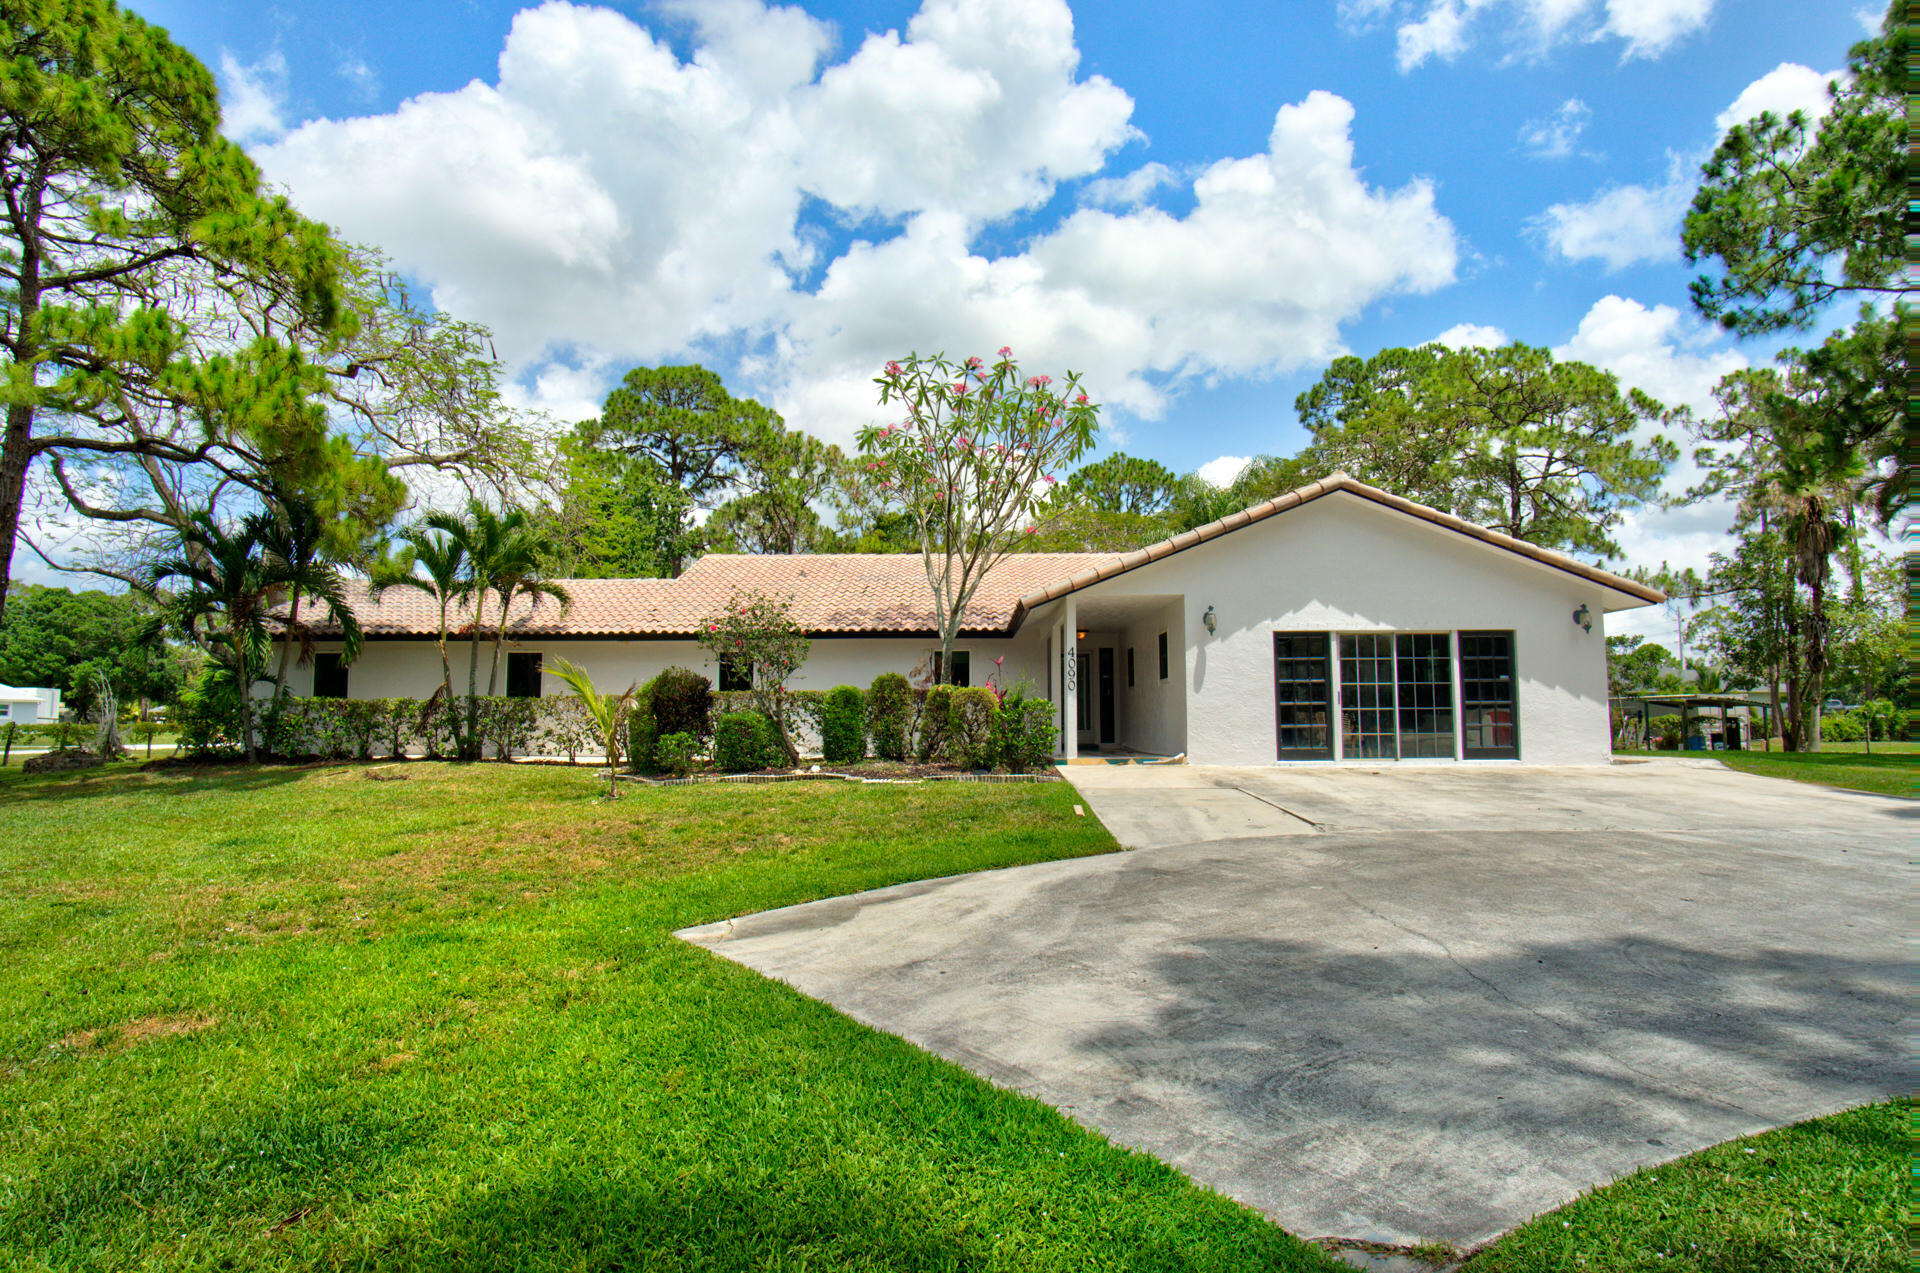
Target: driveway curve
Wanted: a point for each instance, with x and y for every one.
(1404, 1004)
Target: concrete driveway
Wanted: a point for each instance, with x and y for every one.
(1407, 1003)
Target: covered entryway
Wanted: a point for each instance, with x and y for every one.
(1118, 675)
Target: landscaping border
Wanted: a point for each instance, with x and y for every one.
(700, 779)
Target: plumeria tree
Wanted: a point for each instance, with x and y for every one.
(976, 453)
(757, 634)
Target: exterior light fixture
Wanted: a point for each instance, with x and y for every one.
(1081, 635)
(1211, 620)
(1584, 617)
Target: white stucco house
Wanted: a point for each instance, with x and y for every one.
(1337, 623)
(29, 705)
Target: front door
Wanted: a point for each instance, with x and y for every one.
(1106, 696)
(1093, 699)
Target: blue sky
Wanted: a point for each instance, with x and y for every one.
(791, 195)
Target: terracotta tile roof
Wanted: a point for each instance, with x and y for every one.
(830, 592)
(885, 592)
(1123, 562)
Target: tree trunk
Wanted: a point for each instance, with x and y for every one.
(16, 453)
(286, 646)
(246, 699)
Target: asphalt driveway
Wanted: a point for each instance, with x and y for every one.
(1404, 1004)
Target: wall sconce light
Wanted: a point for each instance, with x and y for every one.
(1211, 620)
(1081, 635)
(1584, 617)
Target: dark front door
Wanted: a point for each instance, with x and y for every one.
(1106, 696)
(1302, 688)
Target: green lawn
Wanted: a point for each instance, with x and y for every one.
(1827, 1194)
(301, 1019)
(1893, 768)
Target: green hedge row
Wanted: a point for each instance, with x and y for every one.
(375, 728)
(971, 728)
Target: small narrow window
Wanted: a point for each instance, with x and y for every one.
(329, 676)
(735, 674)
(1129, 667)
(523, 675)
(1163, 656)
(962, 669)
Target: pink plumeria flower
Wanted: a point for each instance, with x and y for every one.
(1006, 351)
(1049, 479)
(1031, 530)
(1081, 400)
(893, 368)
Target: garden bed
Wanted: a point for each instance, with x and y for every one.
(868, 771)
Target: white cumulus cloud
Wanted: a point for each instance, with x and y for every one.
(1678, 360)
(1444, 29)
(1624, 225)
(1471, 336)
(606, 201)
(1222, 471)
(1556, 135)
(253, 97)
(1788, 87)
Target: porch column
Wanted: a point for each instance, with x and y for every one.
(1070, 680)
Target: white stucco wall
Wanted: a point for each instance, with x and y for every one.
(1339, 564)
(411, 668)
(1344, 564)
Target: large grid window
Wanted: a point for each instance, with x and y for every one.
(1367, 698)
(1302, 695)
(1426, 694)
(1487, 716)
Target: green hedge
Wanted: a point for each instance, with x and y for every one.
(675, 753)
(935, 720)
(843, 726)
(1024, 733)
(972, 722)
(745, 741)
(890, 715)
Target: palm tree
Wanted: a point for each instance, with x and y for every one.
(504, 552)
(231, 580)
(447, 581)
(295, 534)
(608, 713)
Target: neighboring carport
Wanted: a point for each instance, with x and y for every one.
(1405, 1004)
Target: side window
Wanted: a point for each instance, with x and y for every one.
(523, 675)
(329, 676)
(734, 674)
(962, 669)
(1129, 667)
(1163, 656)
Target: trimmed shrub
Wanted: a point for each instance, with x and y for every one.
(889, 715)
(843, 726)
(972, 717)
(1024, 733)
(643, 733)
(1842, 727)
(682, 703)
(509, 723)
(675, 754)
(934, 724)
(565, 727)
(745, 741)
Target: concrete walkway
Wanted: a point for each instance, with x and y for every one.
(1409, 1003)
